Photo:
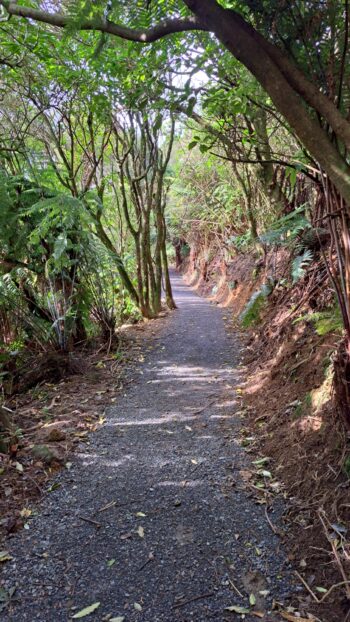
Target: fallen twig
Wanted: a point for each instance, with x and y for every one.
(106, 507)
(149, 559)
(235, 588)
(335, 553)
(198, 412)
(307, 586)
(90, 520)
(190, 600)
(269, 521)
(333, 587)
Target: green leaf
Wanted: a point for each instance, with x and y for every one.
(5, 556)
(158, 123)
(252, 600)
(192, 145)
(60, 246)
(261, 461)
(110, 563)
(321, 589)
(86, 612)
(237, 609)
(204, 148)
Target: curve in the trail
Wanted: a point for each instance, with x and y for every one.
(180, 535)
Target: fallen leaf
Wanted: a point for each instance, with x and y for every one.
(25, 513)
(137, 606)
(5, 556)
(265, 473)
(252, 600)
(118, 619)
(339, 528)
(110, 562)
(141, 514)
(19, 467)
(261, 461)
(86, 611)
(321, 589)
(5, 597)
(237, 609)
(54, 486)
(141, 532)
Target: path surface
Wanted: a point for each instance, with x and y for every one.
(168, 458)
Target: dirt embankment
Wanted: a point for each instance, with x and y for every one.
(289, 417)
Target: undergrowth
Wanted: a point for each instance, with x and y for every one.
(251, 314)
(324, 322)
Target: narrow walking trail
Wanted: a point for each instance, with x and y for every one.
(176, 533)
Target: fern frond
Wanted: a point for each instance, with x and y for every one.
(300, 264)
(287, 229)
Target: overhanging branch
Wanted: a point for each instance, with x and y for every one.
(61, 20)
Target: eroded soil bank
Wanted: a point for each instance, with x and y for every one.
(156, 519)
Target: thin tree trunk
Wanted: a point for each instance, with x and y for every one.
(167, 282)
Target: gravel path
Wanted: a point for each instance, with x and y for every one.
(179, 533)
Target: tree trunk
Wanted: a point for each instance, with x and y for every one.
(341, 381)
(125, 279)
(158, 259)
(168, 289)
(266, 171)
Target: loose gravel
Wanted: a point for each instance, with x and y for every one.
(153, 519)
